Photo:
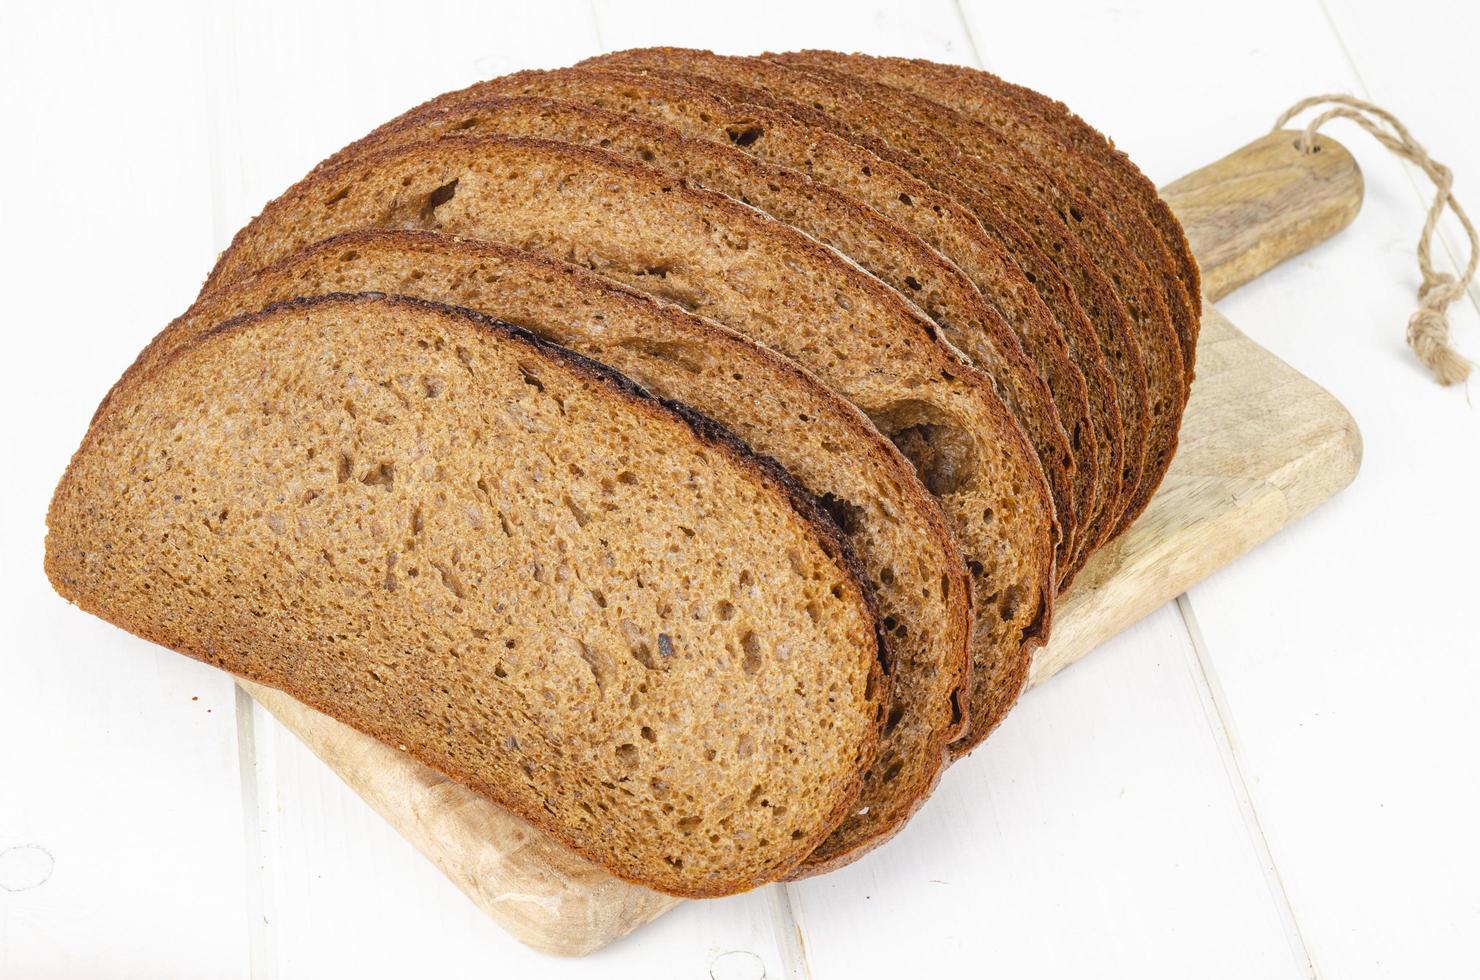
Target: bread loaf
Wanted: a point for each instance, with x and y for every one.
(681, 450)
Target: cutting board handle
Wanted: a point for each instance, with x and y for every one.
(1262, 204)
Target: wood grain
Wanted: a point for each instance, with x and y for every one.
(1261, 445)
(1262, 204)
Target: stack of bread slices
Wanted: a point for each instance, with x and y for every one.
(683, 451)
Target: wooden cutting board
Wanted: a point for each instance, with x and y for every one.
(1260, 446)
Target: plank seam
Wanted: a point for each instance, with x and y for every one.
(790, 941)
(1220, 725)
(246, 748)
(260, 953)
(972, 48)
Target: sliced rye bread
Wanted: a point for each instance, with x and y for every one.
(1012, 214)
(720, 258)
(898, 533)
(1028, 114)
(503, 558)
(778, 138)
(917, 271)
(1044, 128)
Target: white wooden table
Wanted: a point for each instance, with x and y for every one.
(1276, 776)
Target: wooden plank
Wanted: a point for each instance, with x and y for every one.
(120, 831)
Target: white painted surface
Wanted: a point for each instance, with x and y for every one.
(1275, 777)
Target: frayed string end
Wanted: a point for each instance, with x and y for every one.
(1428, 327)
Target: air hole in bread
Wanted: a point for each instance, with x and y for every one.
(597, 663)
(582, 518)
(435, 200)
(643, 652)
(531, 378)
(687, 825)
(380, 475)
(628, 755)
(944, 454)
(450, 580)
(744, 135)
(1007, 607)
(725, 610)
(913, 283)
(751, 649)
(846, 515)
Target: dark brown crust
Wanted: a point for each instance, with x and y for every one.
(1154, 323)
(767, 471)
(1047, 124)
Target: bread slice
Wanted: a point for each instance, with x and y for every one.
(896, 530)
(1009, 212)
(1088, 411)
(597, 609)
(1139, 261)
(718, 257)
(921, 274)
(1051, 128)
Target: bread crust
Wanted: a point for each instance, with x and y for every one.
(988, 91)
(766, 471)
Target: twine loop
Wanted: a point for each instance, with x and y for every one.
(1428, 327)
